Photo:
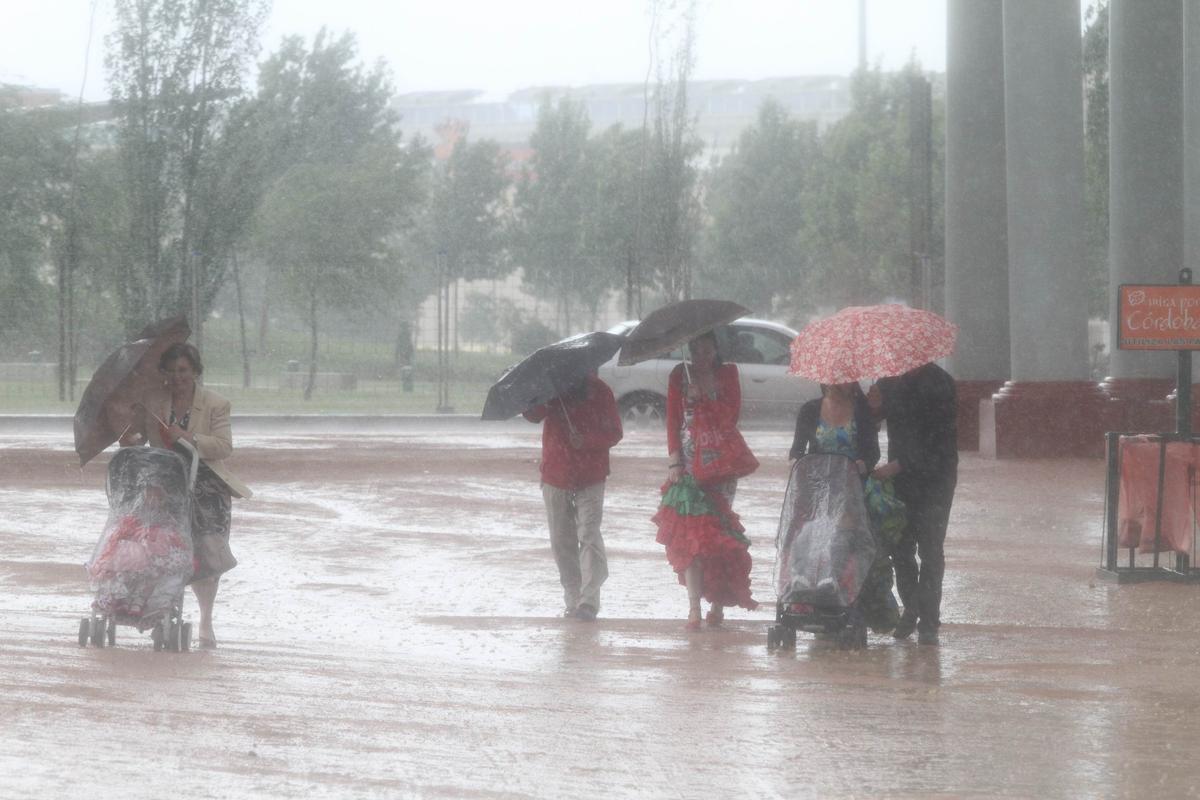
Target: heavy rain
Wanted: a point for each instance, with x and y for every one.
(660, 398)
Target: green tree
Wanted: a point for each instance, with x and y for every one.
(326, 228)
(30, 168)
(174, 66)
(466, 207)
(341, 187)
(671, 179)
(552, 206)
(1095, 84)
(615, 237)
(757, 205)
(858, 238)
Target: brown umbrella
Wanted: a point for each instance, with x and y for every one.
(106, 409)
(669, 327)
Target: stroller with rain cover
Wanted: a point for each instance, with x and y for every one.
(824, 549)
(143, 560)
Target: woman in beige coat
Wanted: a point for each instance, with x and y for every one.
(184, 410)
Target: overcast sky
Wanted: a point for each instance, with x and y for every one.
(501, 45)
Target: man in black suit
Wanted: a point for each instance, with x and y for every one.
(922, 422)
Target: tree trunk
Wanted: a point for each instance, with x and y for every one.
(237, 284)
(264, 312)
(312, 358)
(62, 327)
(455, 308)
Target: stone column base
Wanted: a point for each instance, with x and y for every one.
(1139, 405)
(969, 394)
(1043, 419)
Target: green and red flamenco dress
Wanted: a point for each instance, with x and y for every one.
(699, 522)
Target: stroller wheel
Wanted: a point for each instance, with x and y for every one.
(84, 631)
(96, 624)
(112, 632)
(185, 637)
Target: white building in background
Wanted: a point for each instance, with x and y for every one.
(723, 108)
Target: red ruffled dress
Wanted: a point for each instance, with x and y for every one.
(698, 521)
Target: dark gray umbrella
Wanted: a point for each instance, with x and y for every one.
(669, 327)
(548, 373)
(106, 408)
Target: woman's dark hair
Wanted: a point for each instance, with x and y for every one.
(855, 390)
(711, 336)
(181, 350)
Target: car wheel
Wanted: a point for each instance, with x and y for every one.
(643, 410)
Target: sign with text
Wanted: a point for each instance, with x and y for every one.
(1158, 317)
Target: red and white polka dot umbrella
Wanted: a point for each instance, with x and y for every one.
(861, 342)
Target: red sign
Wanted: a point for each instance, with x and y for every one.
(1158, 317)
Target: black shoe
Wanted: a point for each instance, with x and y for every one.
(929, 637)
(585, 613)
(905, 627)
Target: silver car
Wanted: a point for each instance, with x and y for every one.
(760, 350)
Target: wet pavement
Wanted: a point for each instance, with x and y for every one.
(394, 630)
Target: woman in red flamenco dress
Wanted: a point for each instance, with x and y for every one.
(704, 539)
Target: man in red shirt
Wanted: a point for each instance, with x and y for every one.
(579, 428)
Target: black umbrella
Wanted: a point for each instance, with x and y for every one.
(669, 327)
(548, 373)
(122, 381)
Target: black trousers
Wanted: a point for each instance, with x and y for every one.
(920, 585)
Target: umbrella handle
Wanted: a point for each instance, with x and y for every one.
(157, 418)
(566, 416)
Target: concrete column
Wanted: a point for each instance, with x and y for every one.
(1145, 49)
(1043, 122)
(976, 223)
(1050, 405)
(1191, 136)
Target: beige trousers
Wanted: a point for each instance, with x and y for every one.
(574, 517)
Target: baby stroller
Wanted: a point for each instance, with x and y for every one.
(143, 560)
(824, 549)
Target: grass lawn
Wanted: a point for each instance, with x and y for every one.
(378, 388)
(371, 397)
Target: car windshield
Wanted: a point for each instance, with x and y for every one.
(745, 343)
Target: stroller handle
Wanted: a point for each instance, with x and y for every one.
(191, 448)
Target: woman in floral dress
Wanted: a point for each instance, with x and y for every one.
(704, 539)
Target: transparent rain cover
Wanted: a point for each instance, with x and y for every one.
(824, 546)
(144, 557)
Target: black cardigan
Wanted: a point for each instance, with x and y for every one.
(921, 413)
(805, 440)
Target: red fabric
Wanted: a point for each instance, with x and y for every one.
(131, 545)
(721, 412)
(870, 342)
(595, 418)
(725, 560)
(1137, 503)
